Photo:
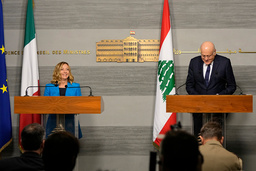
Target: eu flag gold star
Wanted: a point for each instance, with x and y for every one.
(4, 88)
(2, 49)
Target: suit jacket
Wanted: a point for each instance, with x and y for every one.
(222, 80)
(52, 90)
(28, 161)
(217, 158)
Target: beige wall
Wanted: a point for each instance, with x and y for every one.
(120, 138)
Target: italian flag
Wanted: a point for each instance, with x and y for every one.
(30, 72)
(165, 80)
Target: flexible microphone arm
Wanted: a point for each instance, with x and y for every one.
(241, 91)
(82, 87)
(26, 92)
(89, 88)
(179, 88)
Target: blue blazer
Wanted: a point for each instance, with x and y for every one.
(52, 90)
(71, 90)
(222, 79)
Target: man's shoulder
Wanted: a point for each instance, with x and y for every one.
(216, 148)
(27, 161)
(196, 60)
(222, 158)
(8, 163)
(6, 160)
(221, 58)
(211, 144)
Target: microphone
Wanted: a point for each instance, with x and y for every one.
(241, 91)
(56, 83)
(66, 86)
(26, 92)
(179, 88)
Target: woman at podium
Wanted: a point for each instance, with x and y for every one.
(62, 84)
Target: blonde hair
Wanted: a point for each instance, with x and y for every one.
(56, 77)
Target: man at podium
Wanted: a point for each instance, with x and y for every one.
(209, 74)
(62, 84)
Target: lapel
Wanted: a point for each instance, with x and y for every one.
(216, 64)
(56, 90)
(200, 70)
(69, 90)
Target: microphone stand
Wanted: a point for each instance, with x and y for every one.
(82, 87)
(179, 88)
(241, 91)
(60, 123)
(60, 118)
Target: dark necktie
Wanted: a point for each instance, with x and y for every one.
(207, 75)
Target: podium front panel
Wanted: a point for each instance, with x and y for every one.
(57, 104)
(209, 103)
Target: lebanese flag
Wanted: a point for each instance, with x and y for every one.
(30, 72)
(165, 80)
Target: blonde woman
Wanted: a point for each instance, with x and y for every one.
(62, 84)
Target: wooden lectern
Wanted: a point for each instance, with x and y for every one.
(59, 105)
(210, 104)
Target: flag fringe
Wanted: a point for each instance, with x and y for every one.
(3, 147)
(21, 150)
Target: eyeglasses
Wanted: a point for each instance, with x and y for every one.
(207, 56)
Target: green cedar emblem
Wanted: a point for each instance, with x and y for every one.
(166, 77)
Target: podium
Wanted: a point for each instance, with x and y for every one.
(58, 105)
(210, 104)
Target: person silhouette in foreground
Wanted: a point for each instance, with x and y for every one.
(179, 152)
(33, 143)
(60, 151)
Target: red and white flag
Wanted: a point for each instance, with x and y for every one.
(165, 79)
(30, 71)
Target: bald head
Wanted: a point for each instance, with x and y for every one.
(207, 46)
(208, 52)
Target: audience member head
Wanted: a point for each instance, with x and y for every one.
(180, 152)
(211, 131)
(32, 137)
(60, 151)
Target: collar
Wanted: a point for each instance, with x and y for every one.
(210, 64)
(213, 142)
(30, 154)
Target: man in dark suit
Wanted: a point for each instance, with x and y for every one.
(33, 143)
(209, 74)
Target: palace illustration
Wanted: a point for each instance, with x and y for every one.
(129, 49)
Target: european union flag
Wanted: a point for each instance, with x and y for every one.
(5, 110)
